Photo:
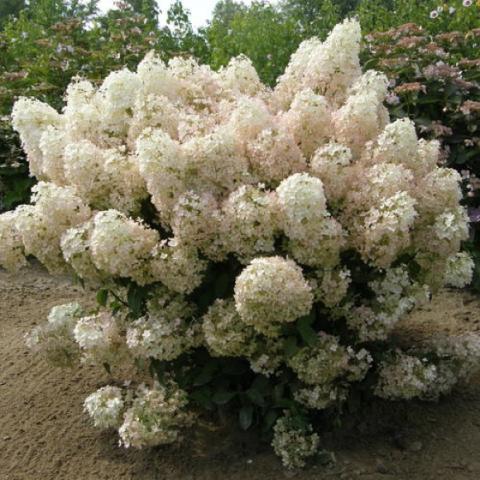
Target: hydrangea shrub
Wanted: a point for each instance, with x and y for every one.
(253, 249)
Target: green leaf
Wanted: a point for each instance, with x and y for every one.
(278, 392)
(290, 346)
(222, 397)
(107, 367)
(135, 299)
(256, 397)
(234, 366)
(285, 403)
(308, 334)
(102, 296)
(115, 306)
(245, 417)
(157, 368)
(203, 397)
(270, 419)
(206, 375)
(261, 384)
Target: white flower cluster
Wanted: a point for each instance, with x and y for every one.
(405, 377)
(101, 339)
(226, 335)
(12, 252)
(410, 375)
(327, 360)
(105, 406)
(459, 270)
(239, 212)
(70, 334)
(155, 417)
(319, 397)
(163, 333)
(395, 295)
(272, 291)
(56, 340)
(294, 443)
(143, 417)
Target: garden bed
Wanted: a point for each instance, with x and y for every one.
(45, 434)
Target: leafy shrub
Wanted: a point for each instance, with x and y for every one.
(435, 17)
(15, 183)
(253, 249)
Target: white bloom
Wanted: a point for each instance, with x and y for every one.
(271, 291)
(225, 332)
(55, 339)
(292, 443)
(155, 417)
(121, 246)
(459, 270)
(303, 204)
(166, 331)
(105, 407)
(11, 252)
(100, 339)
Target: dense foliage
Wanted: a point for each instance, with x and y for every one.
(253, 249)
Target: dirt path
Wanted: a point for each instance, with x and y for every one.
(45, 435)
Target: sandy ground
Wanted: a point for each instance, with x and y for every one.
(45, 435)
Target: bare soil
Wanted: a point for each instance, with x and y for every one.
(44, 434)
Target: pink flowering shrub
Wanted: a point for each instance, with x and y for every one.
(254, 249)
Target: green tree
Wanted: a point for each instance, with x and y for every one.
(181, 35)
(149, 8)
(260, 31)
(315, 17)
(10, 8)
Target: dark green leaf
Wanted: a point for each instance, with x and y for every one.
(157, 368)
(102, 296)
(308, 334)
(223, 397)
(135, 298)
(222, 285)
(291, 347)
(256, 397)
(234, 366)
(270, 419)
(285, 403)
(202, 397)
(261, 384)
(206, 375)
(278, 392)
(245, 417)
